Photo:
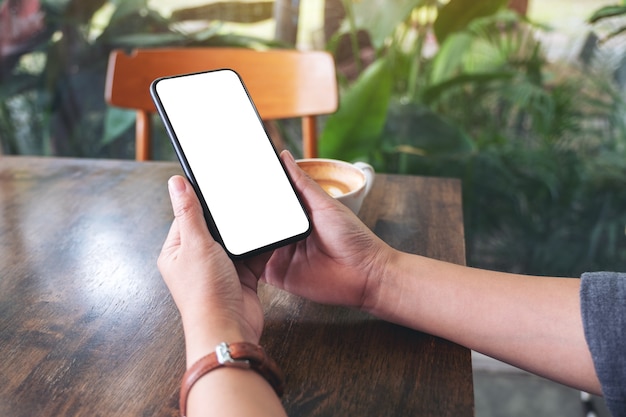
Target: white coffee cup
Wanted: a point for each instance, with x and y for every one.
(344, 181)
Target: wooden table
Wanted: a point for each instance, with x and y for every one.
(87, 326)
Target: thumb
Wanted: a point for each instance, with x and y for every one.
(301, 179)
(187, 212)
(314, 196)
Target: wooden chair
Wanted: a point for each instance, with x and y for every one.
(282, 83)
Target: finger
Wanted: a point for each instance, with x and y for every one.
(256, 264)
(314, 197)
(188, 213)
(247, 277)
(295, 172)
(307, 187)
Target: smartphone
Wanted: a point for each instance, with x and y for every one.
(249, 201)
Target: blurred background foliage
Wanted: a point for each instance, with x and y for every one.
(540, 146)
(52, 81)
(459, 88)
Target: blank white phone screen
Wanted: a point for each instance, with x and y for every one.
(235, 166)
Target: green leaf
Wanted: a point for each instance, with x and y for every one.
(436, 90)
(380, 18)
(607, 12)
(148, 39)
(116, 122)
(415, 129)
(457, 14)
(227, 11)
(126, 8)
(354, 130)
(449, 59)
(206, 34)
(615, 33)
(19, 84)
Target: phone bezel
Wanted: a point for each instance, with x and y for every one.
(188, 171)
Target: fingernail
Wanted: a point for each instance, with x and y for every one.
(289, 156)
(176, 186)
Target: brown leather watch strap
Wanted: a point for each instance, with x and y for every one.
(239, 355)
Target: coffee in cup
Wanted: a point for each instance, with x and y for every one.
(346, 182)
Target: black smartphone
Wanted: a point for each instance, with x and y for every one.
(249, 202)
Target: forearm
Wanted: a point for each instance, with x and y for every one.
(531, 322)
(225, 391)
(233, 392)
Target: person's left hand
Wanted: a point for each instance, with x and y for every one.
(216, 299)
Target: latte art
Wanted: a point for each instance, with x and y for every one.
(347, 182)
(334, 188)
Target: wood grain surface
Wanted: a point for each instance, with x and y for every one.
(87, 326)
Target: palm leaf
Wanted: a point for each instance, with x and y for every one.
(607, 12)
(457, 15)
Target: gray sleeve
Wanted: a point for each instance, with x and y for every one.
(603, 308)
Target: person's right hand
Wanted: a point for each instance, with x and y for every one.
(341, 262)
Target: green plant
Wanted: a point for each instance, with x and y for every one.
(51, 94)
(609, 12)
(401, 72)
(540, 147)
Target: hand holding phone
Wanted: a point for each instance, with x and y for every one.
(249, 201)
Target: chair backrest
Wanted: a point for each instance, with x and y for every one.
(282, 83)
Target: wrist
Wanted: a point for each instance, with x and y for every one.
(378, 280)
(202, 336)
(397, 288)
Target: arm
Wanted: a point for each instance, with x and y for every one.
(218, 303)
(532, 322)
